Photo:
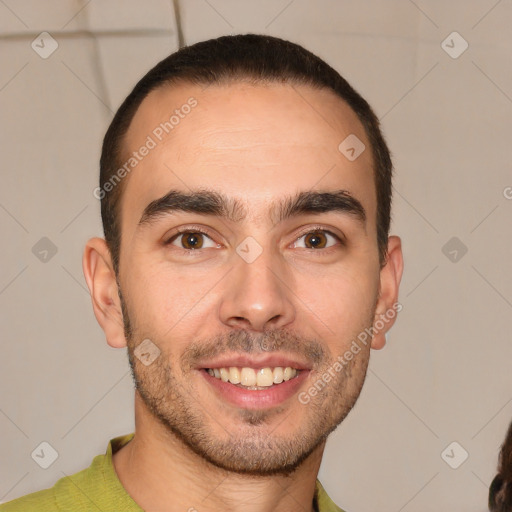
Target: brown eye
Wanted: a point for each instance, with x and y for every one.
(320, 239)
(316, 240)
(192, 240)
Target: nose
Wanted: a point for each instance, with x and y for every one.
(258, 296)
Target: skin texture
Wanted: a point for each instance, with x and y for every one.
(258, 144)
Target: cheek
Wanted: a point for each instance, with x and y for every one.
(167, 301)
(341, 304)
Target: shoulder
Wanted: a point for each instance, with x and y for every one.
(41, 501)
(68, 493)
(94, 488)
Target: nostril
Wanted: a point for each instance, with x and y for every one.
(240, 321)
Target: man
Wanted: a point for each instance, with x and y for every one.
(245, 195)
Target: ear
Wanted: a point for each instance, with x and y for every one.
(101, 280)
(387, 304)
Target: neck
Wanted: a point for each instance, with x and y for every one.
(161, 473)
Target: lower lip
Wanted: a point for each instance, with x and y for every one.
(258, 398)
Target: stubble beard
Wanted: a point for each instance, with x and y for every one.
(252, 448)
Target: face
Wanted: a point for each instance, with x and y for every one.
(260, 281)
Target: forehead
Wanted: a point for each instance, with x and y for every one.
(252, 142)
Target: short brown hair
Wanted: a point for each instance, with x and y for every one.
(257, 58)
(500, 490)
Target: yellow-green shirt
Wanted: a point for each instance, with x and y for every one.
(98, 489)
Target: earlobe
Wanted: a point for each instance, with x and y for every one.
(387, 305)
(101, 280)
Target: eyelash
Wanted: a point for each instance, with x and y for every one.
(197, 229)
(316, 229)
(190, 229)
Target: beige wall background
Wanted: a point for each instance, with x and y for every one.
(446, 110)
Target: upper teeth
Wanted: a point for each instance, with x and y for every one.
(250, 377)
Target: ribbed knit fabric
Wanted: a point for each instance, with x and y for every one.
(97, 489)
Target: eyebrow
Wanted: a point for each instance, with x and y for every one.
(210, 202)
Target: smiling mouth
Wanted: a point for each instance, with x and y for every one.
(254, 378)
